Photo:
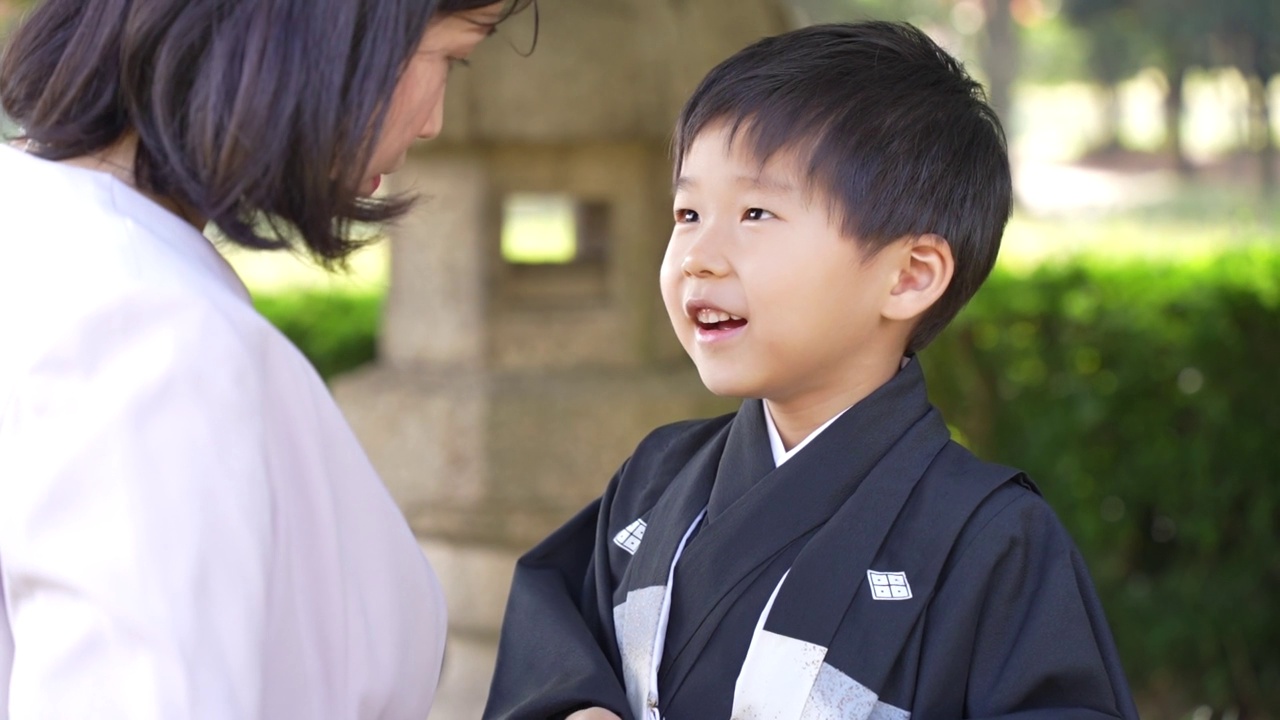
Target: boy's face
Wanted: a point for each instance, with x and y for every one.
(766, 294)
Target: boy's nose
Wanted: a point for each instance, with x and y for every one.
(701, 261)
(704, 258)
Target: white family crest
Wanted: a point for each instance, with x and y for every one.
(629, 538)
(889, 585)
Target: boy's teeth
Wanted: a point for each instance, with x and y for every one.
(709, 316)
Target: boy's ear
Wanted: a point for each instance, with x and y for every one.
(924, 270)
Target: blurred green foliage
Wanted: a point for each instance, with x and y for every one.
(337, 331)
(1143, 399)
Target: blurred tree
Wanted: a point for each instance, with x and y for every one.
(1176, 36)
(1116, 43)
(1000, 55)
(1246, 33)
(994, 42)
(1179, 42)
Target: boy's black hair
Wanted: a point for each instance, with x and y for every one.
(897, 136)
(246, 111)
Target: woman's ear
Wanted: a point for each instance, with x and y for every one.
(923, 276)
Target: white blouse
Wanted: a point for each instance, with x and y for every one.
(188, 527)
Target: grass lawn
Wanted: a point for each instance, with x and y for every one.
(1181, 221)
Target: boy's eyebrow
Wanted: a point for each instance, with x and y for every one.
(766, 183)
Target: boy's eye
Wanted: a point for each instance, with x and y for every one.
(686, 216)
(756, 214)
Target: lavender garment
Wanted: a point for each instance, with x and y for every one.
(188, 527)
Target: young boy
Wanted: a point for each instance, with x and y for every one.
(826, 552)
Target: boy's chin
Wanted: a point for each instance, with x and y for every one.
(719, 384)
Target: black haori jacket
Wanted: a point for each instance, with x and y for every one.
(881, 573)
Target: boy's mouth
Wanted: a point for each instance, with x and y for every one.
(709, 319)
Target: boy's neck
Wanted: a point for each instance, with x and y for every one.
(797, 417)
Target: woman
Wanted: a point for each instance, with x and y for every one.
(188, 528)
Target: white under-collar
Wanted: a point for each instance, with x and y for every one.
(780, 453)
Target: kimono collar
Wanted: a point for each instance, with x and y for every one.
(780, 453)
(865, 431)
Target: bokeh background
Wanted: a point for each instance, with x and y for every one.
(1126, 351)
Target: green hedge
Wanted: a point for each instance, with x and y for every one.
(337, 331)
(1143, 399)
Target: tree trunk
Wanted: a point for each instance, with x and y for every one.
(1112, 114)
(1260, 137)
(1174, 106)
(1267, 154)
(1000, 57)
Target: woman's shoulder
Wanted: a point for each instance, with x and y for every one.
(75, 242)
(68, 227)
(43, 198)
(92, 270)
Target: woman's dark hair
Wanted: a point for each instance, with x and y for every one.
(260, 115)
(453, 6)
(892, 131)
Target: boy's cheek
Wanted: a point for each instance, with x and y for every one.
(669, 285)
(669, 273)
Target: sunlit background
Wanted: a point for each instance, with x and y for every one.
(1136, 127)
(1126, 351)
